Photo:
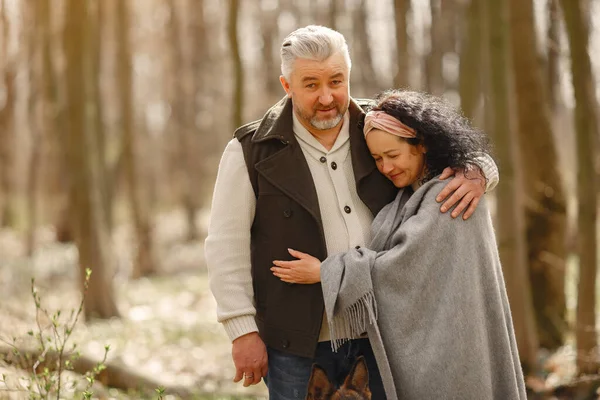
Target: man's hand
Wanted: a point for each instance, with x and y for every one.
(467, 190)
(306, 269)
(250, 358)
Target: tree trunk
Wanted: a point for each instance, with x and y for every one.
(232, 33)
(55, 166)
(367, 79)
(96, 40)
(511, 230)
(7, 125)
(198, 146)
(434, 60)
(545, 199)
(270, 68)
(88, 221)
(452, 11)
(401, 11)
(470, 61)
(204, 143)
(47, 87)
(332, 15)
(586, 125)
(144, 261)
(183, 95)
(36, 109)
(553, 58)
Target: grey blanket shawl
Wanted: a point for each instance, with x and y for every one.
(430, 293)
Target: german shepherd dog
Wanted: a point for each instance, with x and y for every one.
(355, 387)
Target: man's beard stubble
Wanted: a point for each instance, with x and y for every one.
(328, 123)
(322, 124)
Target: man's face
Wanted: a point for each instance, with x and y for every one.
(319, 91)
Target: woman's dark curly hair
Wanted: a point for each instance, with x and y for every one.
(450, 139)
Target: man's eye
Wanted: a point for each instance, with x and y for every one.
(311, 86)
(336, 82)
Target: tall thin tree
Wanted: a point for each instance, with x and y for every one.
(51, 116)
(511, 229)
(37, 105)
(91, 233)
(545, 198)
(553, 54)
(56, 166)
(196, 147)
(470, 60)
(204, 143)
(96, 30)
(401, 13)
(434, 60)
(367, 80)
(334, 8)
(586, 124)
(7, 121)
(270, 70)
(144, 261)
(238, 69)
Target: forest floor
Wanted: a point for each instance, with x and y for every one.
(168, 332)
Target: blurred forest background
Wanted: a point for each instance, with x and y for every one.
(113, 116)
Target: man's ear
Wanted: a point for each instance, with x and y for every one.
(286, 86)
(319, 386)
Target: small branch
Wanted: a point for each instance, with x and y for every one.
(114, 376)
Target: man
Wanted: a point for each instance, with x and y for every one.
(302, 178)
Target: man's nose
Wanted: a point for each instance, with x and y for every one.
(325, 97)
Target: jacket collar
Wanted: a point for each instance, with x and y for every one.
(277, 123)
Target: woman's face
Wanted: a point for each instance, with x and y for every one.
(401, 162)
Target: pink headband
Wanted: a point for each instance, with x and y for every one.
(385, 122)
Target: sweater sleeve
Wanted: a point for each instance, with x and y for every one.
(227, 246)
(489, 169)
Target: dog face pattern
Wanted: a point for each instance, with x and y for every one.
(355, 387)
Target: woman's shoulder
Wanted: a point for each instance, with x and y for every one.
(427, 192)
(424, 199)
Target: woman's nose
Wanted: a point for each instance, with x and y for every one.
(386, 167)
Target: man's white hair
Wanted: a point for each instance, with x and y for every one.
(312, 42)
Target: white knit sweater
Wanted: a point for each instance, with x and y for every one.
(227, 246)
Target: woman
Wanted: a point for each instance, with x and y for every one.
(429, 290)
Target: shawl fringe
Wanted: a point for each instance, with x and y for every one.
(353, 321)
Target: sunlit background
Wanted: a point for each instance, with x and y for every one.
(113, 117)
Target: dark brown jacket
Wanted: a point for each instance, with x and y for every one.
(287, 216)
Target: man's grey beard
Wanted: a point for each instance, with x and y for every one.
(326, 124)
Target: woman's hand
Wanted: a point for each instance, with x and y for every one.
(306, 269)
